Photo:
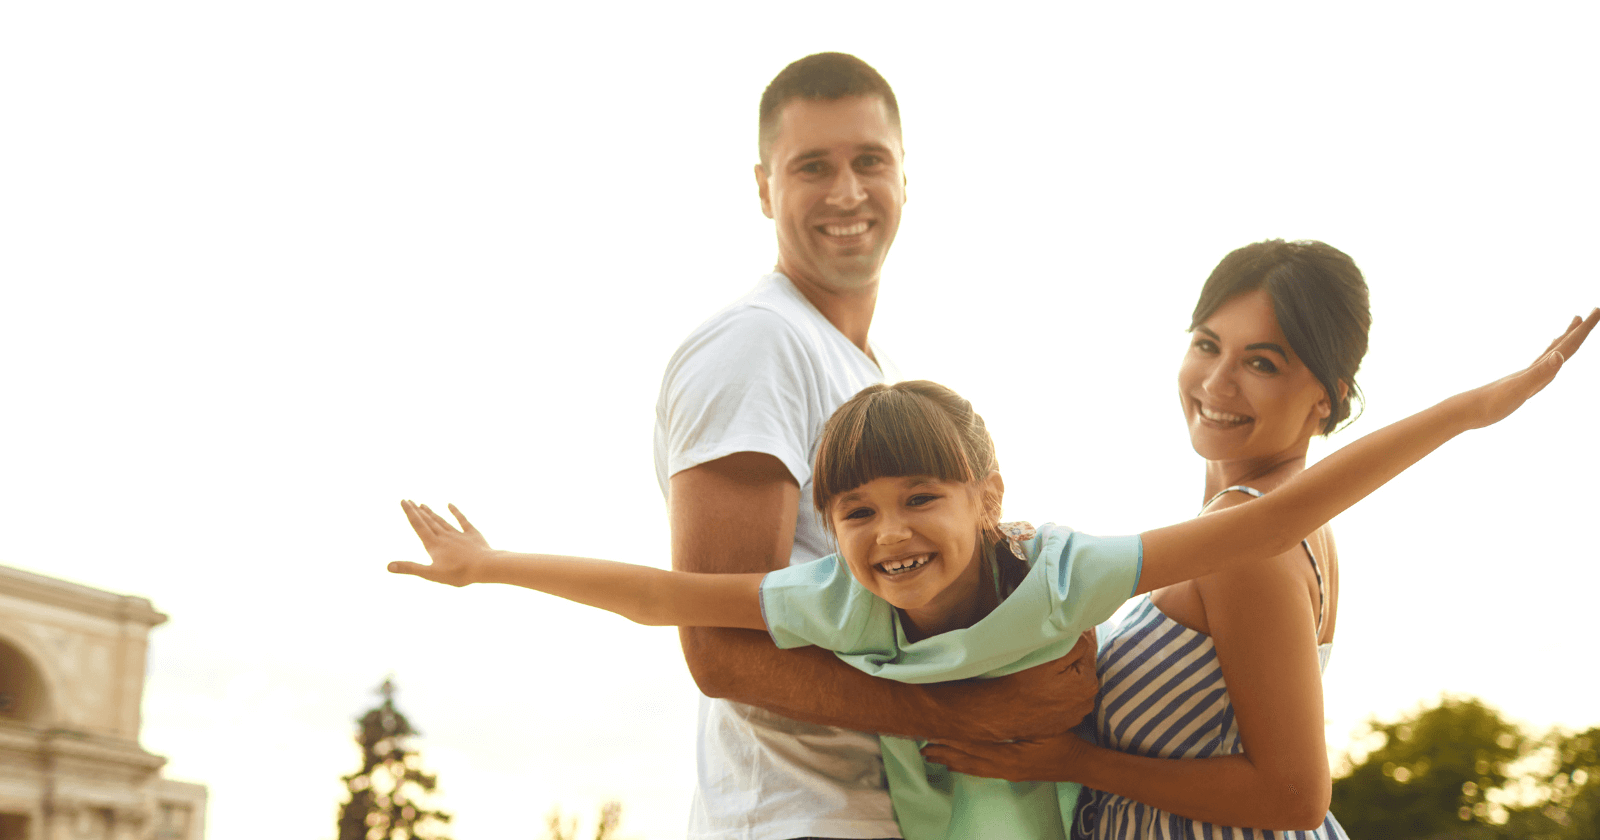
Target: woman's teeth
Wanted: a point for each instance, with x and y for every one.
(1222, 417)
(905, 564)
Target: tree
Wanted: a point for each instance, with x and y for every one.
(567, 829)
(1432, 774)
(388, 795)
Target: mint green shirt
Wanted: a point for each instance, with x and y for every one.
(1075, 581)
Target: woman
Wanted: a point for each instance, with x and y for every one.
(1200, 669)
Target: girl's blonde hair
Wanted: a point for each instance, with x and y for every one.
(908, 428)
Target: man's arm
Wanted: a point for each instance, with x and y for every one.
(737, 514)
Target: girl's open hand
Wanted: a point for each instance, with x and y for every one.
(455, 553)
(1498, 399)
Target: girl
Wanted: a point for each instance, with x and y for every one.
(926, 587)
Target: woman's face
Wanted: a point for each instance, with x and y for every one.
(1245, 395)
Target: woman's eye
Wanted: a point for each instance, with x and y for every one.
(1263, 365)
(1204, 345)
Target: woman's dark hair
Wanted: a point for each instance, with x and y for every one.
(1320, 299)
(908, 428)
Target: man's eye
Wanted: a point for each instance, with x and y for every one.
(815, 167)
(868, 161)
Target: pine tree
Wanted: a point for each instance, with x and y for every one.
(388, 796)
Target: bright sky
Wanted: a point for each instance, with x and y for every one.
(269, 268)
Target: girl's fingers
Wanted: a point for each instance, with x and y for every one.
(419, 522)
(417, 569)
(466, 526)
(440, 524)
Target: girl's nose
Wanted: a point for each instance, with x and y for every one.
(891, 530)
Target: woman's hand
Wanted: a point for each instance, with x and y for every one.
(1053, 759)
(455, 553)
(1498, 399)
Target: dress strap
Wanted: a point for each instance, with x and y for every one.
(1316, 568)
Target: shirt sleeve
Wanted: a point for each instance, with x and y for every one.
(819, 603)
(738, 385)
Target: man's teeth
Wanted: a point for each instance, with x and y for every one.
(1222, 416)
(846, 230)
(905, 564)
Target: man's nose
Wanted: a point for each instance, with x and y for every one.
(847, 192)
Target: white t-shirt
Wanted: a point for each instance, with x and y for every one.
(764, 375)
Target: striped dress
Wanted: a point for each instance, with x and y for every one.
(1162, 695)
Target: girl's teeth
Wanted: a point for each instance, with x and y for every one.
(906, 565)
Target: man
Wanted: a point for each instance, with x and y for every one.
(742, 404)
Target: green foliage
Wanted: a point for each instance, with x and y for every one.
(1431, 775)
(387, 795)
(1462, 772)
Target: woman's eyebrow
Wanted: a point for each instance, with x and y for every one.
(1267, 345)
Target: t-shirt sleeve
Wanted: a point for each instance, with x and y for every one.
(737, 386)
(1091, 578)
(819, 603)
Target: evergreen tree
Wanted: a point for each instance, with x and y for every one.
(388, 796)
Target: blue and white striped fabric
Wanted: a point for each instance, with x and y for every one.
(1162, 695)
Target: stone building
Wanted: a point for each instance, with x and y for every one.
(72, 669)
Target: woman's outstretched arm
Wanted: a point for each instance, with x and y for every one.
(639, 593)
(1278, 521)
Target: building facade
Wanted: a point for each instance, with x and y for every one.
(72, 670)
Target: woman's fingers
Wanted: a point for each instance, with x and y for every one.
(1573, 338)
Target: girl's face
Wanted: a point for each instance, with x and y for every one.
(914, 542)
(1245, 395)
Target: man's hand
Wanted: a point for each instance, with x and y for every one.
(1042, 701)
(455, 553)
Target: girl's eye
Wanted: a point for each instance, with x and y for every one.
(858, 513)
(921, 499)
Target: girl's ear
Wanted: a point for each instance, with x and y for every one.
(993, 488)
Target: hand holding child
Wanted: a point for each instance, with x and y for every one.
(455, 553)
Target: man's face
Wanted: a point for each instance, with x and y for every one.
(833, 185)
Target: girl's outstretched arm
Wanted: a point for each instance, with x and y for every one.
(1278, 521)
(639, 593)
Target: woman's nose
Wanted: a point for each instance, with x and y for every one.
(1218, 381)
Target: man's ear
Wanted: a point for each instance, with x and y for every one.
(763, 191)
